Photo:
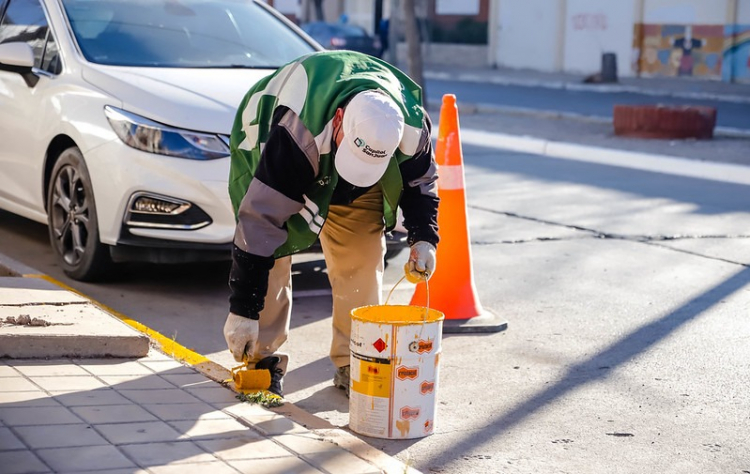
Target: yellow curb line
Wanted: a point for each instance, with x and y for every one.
(168, 345)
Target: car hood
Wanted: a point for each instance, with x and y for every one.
(194, 99)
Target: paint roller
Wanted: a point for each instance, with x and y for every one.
(249, 378)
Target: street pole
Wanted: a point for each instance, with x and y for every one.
(393, 32)
(414, 46)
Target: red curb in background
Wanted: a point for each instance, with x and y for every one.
(662, 121)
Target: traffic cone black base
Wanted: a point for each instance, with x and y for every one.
(486, 322)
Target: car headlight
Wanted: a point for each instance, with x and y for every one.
(153, 137)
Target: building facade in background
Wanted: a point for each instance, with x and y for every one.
(704, 39)
(708, 39)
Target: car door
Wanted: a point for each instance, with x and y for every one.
(25, 109)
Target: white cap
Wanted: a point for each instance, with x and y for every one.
(373, 127)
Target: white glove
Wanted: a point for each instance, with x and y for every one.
(421, 264)
(241, 335)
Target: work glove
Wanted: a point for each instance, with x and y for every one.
(241, 335)
(421, 264)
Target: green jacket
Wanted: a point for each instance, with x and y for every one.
(313, 87)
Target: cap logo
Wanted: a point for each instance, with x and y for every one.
(367, 150)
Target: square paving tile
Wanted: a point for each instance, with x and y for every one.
(113, 414)
(189, 380)
(209, 429)
(9, 441)
(245, 410)
(306, 443)
(29, 416)
(186, 411)
(35, 398)
(72, 383)
(7, 371)
(215, 394)
(154, 354)
(114, 367)
(60, 436)
(341, 461)
(142, 432)
(244, 447)
(169, 367)
(125, 471)
(168, 396)
(49, 368)
(103, 396)
(21, 462)
(84, 458)
(17, 384)
(136, 382)
(275, 424)
(198, 468)
(287, 465)
(158, 454)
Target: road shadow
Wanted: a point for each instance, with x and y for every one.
(708, 197)
(594, 369)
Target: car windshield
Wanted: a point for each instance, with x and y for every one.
(182, 33)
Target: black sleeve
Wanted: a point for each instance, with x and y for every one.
(419, 201)
(248, 282)
(285, 168)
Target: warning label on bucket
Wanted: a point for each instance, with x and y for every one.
(371, 376)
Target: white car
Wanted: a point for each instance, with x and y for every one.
(115, 116)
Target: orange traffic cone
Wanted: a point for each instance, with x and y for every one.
(451, 288)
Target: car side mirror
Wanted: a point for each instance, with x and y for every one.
(19, 58)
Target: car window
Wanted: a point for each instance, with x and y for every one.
(51, 59)
(24, 21)
(182, 33)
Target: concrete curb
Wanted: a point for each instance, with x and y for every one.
(723, 172)
(60, 322)
(727, 132)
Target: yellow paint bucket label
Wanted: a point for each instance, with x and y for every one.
(395, 353)
(370, 376)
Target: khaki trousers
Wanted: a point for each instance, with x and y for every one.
(353, 244)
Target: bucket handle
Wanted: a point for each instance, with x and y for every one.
(427, 303)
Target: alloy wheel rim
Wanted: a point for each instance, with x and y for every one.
(70, 215)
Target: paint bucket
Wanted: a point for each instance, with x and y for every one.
(394, 360)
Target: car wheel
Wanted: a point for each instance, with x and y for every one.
(72, 222)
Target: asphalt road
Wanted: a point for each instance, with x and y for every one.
(626, 293)
(731, 115)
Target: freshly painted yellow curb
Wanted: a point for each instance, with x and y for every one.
(167, 345)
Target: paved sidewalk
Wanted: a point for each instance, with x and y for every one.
(664, 86)
(144, 411)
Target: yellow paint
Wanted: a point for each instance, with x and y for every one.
(167, 345)
(251, 379)
(399, 315)
(403, 427)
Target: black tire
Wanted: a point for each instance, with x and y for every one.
(72, 222)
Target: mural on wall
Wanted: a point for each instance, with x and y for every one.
(679, 50)
(736, 54)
